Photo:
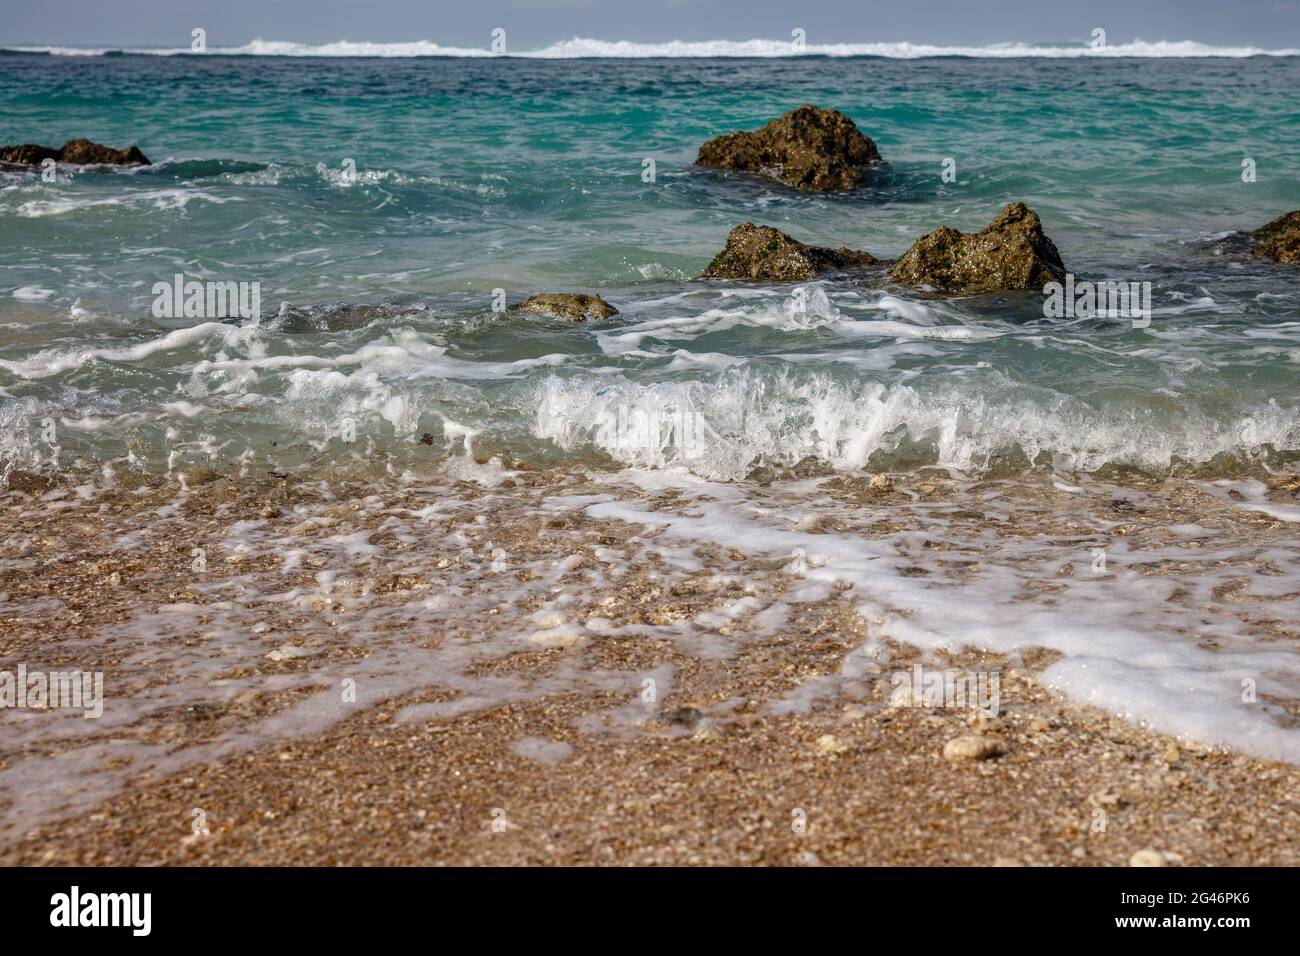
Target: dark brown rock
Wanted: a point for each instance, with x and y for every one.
(28, 154)
(1280, 239)
(764, 254)
(575, 307)
(808, 148)
(79, 151)
(1009, 253)
(85, 153)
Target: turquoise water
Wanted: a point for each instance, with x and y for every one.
(526, 175)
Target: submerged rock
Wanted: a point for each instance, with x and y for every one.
(1009, 253)
(764, 254)
(573, 306)
(808, 148)
(1280, 239)
(79, 151)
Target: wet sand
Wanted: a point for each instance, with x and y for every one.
(502, 714)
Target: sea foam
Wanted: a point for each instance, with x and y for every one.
(586, 47)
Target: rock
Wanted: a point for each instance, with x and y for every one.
(808, 148)
(764, 254)
(1147, 857)
(85, 153)
(1280, 239)
(1009, 253)
(688, 717)
(972, 748)
(828, 745)
(80, 151)
(28, 154)
(881, 484)
(573, 306)
(1040, 725)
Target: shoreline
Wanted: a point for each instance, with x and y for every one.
(377, 792)
(499, 627)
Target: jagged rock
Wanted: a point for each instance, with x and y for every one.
(764, 254)
(28, 154)
(808, 148)
(1280, 239)
(79, 151)
(1011, 252)
(575, 307)
(85, 153)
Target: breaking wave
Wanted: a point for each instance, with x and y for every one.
(580, 47)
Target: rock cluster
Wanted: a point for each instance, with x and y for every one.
(1010, 253)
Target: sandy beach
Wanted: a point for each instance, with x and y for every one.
(474, 664)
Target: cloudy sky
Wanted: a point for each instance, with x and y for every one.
(535, 23)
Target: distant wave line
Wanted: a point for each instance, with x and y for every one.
(580, 47)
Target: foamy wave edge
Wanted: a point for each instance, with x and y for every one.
(580, 47)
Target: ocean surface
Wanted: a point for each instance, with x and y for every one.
(380, 202)
(526, 175)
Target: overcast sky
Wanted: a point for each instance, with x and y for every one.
(535, 23)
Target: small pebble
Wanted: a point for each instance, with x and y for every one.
(1147, 857)
(829, 744)
(972, 748)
